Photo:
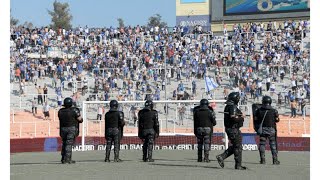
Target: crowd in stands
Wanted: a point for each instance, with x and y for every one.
(138, 62)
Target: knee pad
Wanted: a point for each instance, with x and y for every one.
(151, 140)
(199, 140)
(262, 141)
(273, 143)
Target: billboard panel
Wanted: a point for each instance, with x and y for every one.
(202, 20)
(247, 7)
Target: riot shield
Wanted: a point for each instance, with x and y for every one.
(255, 106)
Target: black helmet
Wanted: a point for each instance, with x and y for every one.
(234, 96)
(149, 104)
(67, 102)
(266, 100)
(113, 104)
(204, 102)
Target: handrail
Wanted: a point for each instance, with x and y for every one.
(35, 127)
(12, 115)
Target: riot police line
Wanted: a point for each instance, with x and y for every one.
(264, 117)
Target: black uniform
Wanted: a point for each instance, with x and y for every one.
(148, 130)
(204, 120)
(233, 121)
(271, 117)
(114, 122)
(69, 130)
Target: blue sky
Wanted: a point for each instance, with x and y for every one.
(96, 13)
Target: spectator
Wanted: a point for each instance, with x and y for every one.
(303, 105)
(34, 106)
(268, 83)
(280, 97)
(272, 89)
(17, 74)
(100, 112)
(182, 110)
(252, 90)
(22, 87)
(46, 109)
(163, 85)
(45, 93)
(40, 94)
(59, 99)
(293, 106)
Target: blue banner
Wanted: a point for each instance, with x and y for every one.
(193, 1)
(245, 7)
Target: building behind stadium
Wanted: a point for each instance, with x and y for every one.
(213, 14)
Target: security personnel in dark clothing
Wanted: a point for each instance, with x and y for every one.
(69, 118)
(271, 117)
(233, 120)
(204, 119)
(114, 122)
(148, 129)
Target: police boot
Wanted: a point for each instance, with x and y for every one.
(206, 157)
(238, 163)
(150, 156)
(107, 159)
(239, 167)
(62, 159)
(116, 157)
(262, 158)
(220, 160)
(68, 161)
(275, 161)
(199, 155)
(144, 158)
(144, 151)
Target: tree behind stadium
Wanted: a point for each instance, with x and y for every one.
(121, 22)
(61, 18)
(13, 21)
(156, 21)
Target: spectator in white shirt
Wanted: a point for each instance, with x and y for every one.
(46, 109)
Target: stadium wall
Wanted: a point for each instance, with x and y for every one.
(180, 142)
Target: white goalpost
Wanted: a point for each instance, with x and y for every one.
(175, 118)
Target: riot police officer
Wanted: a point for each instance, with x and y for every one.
(69, 118)
(204, 120)
(233, 120)
(148, 129)
(270, 117)
(114, 122)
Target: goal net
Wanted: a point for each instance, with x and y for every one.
(175, 119)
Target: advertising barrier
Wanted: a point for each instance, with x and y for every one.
(250, 142)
